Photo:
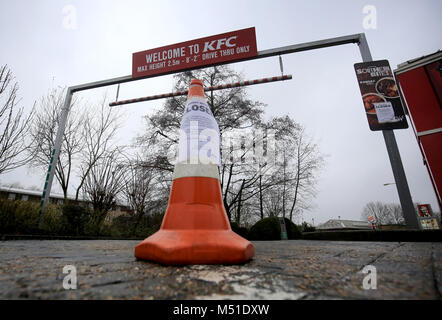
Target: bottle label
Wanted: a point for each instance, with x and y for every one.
(199, 135)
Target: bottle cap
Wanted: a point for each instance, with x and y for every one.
(196, 89)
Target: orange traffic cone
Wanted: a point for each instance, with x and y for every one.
(195, 227)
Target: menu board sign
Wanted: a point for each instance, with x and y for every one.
(380, 96)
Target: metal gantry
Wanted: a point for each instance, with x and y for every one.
(389, 137)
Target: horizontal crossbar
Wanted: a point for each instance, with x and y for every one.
(211, 88)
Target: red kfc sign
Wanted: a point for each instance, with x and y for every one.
(424, 210)
(231, 46)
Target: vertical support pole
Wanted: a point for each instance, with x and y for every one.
(408, 210)
(56, 150)
(403, 190)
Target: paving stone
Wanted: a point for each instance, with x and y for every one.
(294, 269)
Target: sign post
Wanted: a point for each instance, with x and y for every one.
(372, 221)
(283, 229)
(395, 158)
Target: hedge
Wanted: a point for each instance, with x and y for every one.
(270, 229)
(242, 231)
(22, 218)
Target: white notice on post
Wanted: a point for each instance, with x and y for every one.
(384, 112)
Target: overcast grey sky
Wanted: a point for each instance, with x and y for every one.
(44, 50)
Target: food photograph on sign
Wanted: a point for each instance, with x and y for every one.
(380, 96)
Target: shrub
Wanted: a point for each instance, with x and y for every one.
(23, 217)
(52, 221)
(144, 230)
(270, 229)
(120, 226)
(242, 231)
(7, 216)
(105, 230)
(305, 227)
(293, 231)
(27, 217)
(123, 226)
(77, 218)
(266, 229)
(149, 224)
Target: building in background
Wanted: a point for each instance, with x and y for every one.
(338, 224)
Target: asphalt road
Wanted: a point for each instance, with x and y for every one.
(295, 269)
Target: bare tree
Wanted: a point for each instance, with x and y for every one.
(44, 130)
(244, 173)
(104, 183)
(384, 213)
(245, 180)
(397, 217)
(14, 125)
(89, 133)
(273, 202)
(308, 161)
(291, 187)
(377, 210)
(98, 131)
(231, 109)
(143, 191)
